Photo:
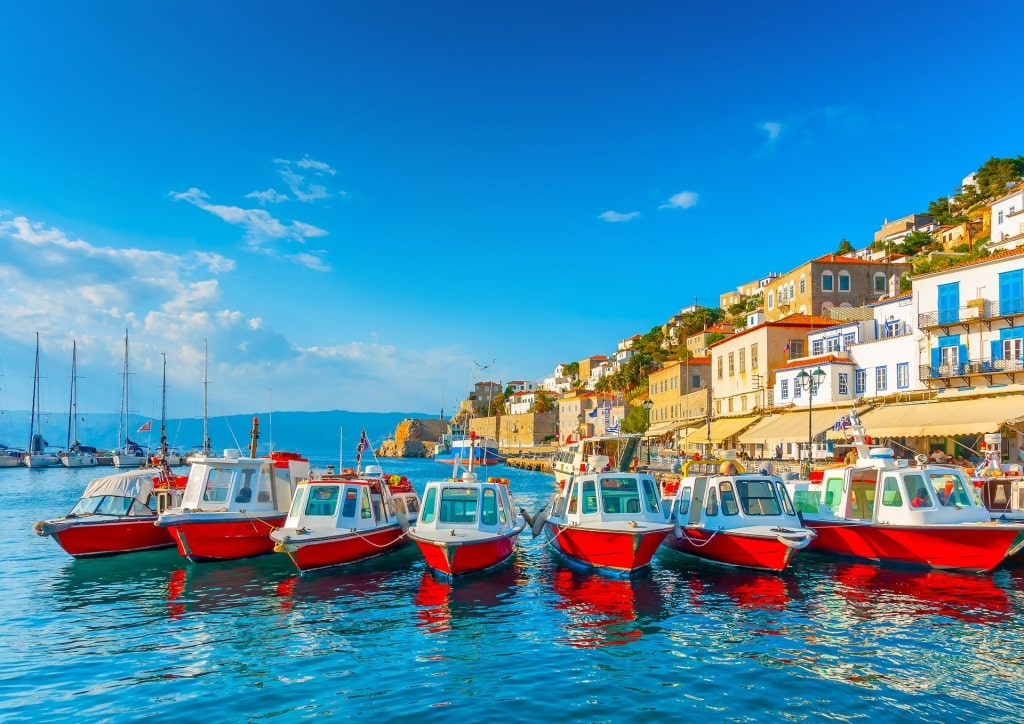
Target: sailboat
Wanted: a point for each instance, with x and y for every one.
(167, 455)
(37, 457)
(77, 455)
(204, 450)
(128, 454)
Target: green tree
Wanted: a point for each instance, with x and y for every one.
(995, 173)
(637, 420)
(543, 401)
(845, 247)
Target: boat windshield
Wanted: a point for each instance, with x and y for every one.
(115, 505)
(458, 505)
(322, 500)
(758, 497)
(952, 490)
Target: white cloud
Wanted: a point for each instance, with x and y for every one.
(682, 200)
(259, 225)
(615, 217)
(302, 189)
(772, 129)
(270, 196)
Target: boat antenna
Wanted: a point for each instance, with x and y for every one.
(206, 389)
(255, 436)
(163, 412)
(270, 396)
(72, 403)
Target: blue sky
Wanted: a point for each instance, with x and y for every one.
(352, 203)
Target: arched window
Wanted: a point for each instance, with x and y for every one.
(803, 284)
(844, 281)
(827, 282)
(879, 283)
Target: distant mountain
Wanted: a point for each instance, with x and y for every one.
(318, 434)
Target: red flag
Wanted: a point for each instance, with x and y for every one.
(146, 426)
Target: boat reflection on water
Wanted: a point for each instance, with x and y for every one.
(440, 601)
(105, 581)
(216, 587)
(603, 611)
(704, 583)
(901, 593)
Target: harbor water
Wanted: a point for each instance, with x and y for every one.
(152, 635)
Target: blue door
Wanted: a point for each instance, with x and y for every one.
(949, 303)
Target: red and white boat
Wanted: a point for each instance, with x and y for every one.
(888, 511)
(467, 524)
(117, 514)
(232, 503)
(741, 519)
(612, 521)
(1001, 484)
(340, 519)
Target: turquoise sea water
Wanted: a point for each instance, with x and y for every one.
(153, 636)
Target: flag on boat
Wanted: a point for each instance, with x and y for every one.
(146, 426)
(364, 443)
(842, 423)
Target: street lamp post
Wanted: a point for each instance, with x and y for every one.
(810, 382)
(648, 404)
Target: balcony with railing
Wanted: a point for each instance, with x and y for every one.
(979, 311)
(987, 368)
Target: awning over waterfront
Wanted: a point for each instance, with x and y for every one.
(721, 429)
(789, 427)
(663, 428)
(938, 418)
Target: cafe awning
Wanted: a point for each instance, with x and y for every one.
(722, 429)
(938, 418)
(663, 428)
(788, 427)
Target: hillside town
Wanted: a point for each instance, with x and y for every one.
(923, 340)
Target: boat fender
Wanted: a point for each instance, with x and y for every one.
(527, 517)
(40, 528)
(403, 522)
(394, 481)
(538, 521)
(677, 529)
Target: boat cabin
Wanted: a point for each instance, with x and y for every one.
(608, 496)
(886, 492)
(126, 495)
(595, 454)
(233, 483)
(337, 502)
(468, 503)
(730, 501)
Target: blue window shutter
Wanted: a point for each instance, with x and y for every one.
(936, 356)
(962, 354)
(997, 349)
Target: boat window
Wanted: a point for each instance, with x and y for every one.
(833, 493)
(651, 495)
(619, 495)
(412, 504)
(458, 505)
(218, 485)
(86, 506)
(297, 502)
(918, 491)
(951, 489)
(684, 500)
(427, 513)
(322, 500)
(364, 505)
(807, 501)
(574, 499)
(378, 507)
(348, 506)
(783, 494)
(891, 492)
(589, 497)
(862, 497)
(138, 508)
(712, 507)
(758, 497)
(489, 507)
(729, 506)
(114, 505)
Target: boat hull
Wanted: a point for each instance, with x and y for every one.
(79, 461)
(309, 554)
(129, 461)
(453, 558)
(732, 548)
(615, 550)
(82, 538)
(965, 547)
(225, 538)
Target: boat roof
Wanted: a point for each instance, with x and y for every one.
(131, 484)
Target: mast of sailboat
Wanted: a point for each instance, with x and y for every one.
(255, 436)
(73, 402)
(122, 422)
(163, 412)
(35, 402)
(206, 387)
